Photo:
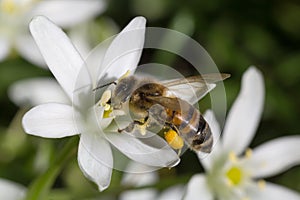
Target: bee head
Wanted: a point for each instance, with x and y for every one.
(123, 90)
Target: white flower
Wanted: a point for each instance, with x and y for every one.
(172, 193)
(15, 16)
(42, 90)
(234, 172)
(138, 175)
(11, 191)
(81, 114)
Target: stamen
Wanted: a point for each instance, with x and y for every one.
(143, 130)
(103, 102)
(229, 183)
(248, 153)
(105, 98)
(107, 107)
(261, 184)
(124, 75)
(232, 157)
(106, 113)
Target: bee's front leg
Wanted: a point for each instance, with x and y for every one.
(132, 125)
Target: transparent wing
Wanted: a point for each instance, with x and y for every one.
(193, 88)
(168, 102)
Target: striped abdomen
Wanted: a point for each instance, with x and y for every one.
(191, 126)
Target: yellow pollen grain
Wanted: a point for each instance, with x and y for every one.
(143, 131)
(107, 107)
(261, 184)
(106, 113)
(173, 139)
(248, 153)
(229, 183)
(232, 157)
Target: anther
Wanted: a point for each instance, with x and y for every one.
(232, 157)
(248, 153)
(261, 184)
(105, 98)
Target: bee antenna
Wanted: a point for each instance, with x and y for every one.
(101, 86)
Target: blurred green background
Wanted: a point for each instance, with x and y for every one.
(235, 33)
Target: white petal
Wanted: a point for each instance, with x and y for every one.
(80, 38)
(42, 90)
(172, 193)
(207, 159)
(95, 159)
(274, 192)
(125, 51)
(157, 154)
(137, 174)
(197, 187)
(60, 55)
(4, 48)
(275, 156)
(68, 13)
(95, 59)
(50, 121)
(144, 194)
(29, 50)
(11, 191)
(245, 113)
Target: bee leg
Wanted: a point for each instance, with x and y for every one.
(129, 128)
(179, 152)
(132, 125)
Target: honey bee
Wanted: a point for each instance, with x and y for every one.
(150, 100)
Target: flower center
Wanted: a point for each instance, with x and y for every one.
(104, 102)
(13, 7)
(106, 97)
(234, 175)
(8, 6)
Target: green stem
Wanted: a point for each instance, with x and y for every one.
(40, 187)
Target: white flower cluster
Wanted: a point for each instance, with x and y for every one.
(232, 170)
(15, 16)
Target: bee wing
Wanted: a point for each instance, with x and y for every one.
(169, 102)
(193, 88)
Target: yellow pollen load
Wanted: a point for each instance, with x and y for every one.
(173, 139)
(234, 175)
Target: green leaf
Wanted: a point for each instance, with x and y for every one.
(41, 186)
